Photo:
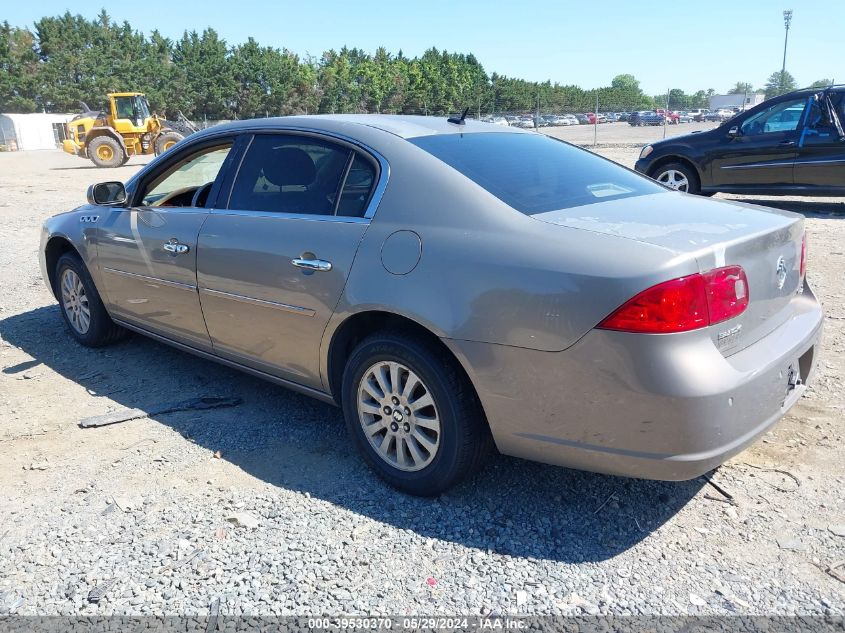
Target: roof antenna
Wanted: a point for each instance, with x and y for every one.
(458, 121)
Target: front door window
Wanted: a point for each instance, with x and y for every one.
(781, 117)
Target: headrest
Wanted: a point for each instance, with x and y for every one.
(289, 166)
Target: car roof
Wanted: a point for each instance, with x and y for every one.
(403, 126)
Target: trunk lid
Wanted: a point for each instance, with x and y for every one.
(765, 242)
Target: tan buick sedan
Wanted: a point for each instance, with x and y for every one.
(454, 285)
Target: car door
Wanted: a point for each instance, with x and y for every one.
(821, 151)
(147, 251)
(760, 150)
(272, 265)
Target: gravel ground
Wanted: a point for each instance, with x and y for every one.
(263, 507)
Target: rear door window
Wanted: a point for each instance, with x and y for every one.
(287, 173)
(534, 173)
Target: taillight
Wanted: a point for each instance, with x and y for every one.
(803, 266)
(683, 304)
(727, 293)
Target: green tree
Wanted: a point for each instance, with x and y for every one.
(18, 70)
(741, 87)
(205, 76)
(779, 83)
(821, 83)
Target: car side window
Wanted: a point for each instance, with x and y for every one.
(357, 188)
(288, 173)
(781, 117)
(189, 181)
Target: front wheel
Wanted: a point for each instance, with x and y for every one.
(167, 140)
(82, 308)
(412, 414)
(678, 177)
(104, 151)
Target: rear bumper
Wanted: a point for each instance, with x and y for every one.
(656, 407)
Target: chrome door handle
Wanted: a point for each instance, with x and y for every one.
(312, 264)
(787, 143)
(175, 247)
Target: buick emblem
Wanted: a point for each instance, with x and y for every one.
(781, 272)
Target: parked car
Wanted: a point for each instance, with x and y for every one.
(582, 119)
(683, 116)
(671, 117)
(622, 116)
(499, 120)
(698, 114)
(610, 117)
(593, 118)
(525, 123)
(720, 115)
(793, 144)
(645, 117)
(312, 252)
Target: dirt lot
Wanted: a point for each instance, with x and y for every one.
(284, 520)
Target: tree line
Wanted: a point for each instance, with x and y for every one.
(69, 59)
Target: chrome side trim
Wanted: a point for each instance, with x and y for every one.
(154, 280)
(281, 215)
(757, 165)
(259, 302)
(820, 162)
(308, 391)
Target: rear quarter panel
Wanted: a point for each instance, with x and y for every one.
(489, 273)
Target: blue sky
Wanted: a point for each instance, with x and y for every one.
(687, 44)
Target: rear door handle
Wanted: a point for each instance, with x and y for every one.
(176, 247)
(787, 143)
(312, 264)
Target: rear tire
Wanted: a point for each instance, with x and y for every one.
(104, 151)
(81, 306)
(678, 176)
(422, 450)
(167, 140)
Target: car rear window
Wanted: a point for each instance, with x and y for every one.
(534, 173)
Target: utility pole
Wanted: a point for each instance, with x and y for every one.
(666, 112)
(787, 20)
(596, 120)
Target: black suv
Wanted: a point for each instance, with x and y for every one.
(792, 144)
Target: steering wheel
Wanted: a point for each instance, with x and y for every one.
(201, 195)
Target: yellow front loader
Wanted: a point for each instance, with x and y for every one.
(127, 129)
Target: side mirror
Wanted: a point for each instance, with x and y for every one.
(734, 132)
(109, 194)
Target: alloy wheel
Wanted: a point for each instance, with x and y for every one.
(399, 416)
(674, 179)
(75, 301)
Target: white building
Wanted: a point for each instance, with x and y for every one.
(739, 100)
(33, 131)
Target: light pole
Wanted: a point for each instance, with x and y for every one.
(787, 20)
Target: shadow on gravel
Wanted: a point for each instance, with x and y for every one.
(512, 507)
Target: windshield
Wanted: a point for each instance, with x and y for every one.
(143, 107)
(534, 173)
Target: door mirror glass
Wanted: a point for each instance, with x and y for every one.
(107, 193)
